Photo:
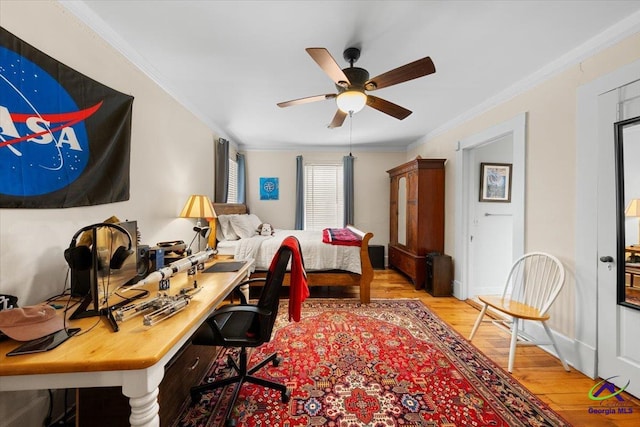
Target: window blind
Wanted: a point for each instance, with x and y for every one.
(232, 191)
(324, 196)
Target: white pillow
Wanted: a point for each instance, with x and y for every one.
(242, 225)
(227, 230)
(219, 234)
(255, 221)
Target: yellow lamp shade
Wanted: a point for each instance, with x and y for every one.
(198, 206)
(633, 209)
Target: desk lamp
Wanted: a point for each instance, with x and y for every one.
(199, 206)
(633, 209)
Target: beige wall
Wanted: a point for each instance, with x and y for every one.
(371, 187)
(550, 162)
(171, 157)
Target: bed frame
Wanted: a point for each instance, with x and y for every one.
(324, 278)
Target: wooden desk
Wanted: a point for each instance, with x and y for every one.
(632, 270)
(133, 358)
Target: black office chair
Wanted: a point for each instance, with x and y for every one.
(246, 325)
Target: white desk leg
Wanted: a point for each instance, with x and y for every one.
(144, 410)
(245, 288)
(141, 387)
(245, 291)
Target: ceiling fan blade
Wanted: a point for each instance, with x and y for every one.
(413, 70)
(306, 100)
(328, 65)
(387, 107)
(338, 119)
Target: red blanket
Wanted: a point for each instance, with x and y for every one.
(340, 236)
(298, 288)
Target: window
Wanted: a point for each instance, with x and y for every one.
(323, 196)
(232, 190)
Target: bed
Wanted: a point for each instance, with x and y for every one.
(326, 264)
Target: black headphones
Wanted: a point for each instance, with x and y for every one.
(80, 257)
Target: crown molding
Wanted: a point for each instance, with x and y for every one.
(598, 43)
(327, 148)
(87, 16)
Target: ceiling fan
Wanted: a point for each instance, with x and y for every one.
(352, 82)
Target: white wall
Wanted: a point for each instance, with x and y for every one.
(371, 187)
(171, 158)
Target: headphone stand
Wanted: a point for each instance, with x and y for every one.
(82, 312)
(91, 297)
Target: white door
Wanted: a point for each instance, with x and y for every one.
(491, 225)
(618, 344)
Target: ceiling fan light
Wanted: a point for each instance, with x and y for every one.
(351, 101)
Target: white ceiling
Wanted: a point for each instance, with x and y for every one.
(230, 62)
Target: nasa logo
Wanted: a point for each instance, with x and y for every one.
(43, 140)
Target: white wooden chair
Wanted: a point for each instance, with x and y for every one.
(534, 282)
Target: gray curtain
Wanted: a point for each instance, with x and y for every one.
(348, 189)
(299, 193)
(242, 187)
(222, 171)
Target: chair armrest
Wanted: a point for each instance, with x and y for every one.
(237, 290)
(255, 279)
(240, 308)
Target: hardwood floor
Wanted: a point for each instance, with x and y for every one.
(541, 373)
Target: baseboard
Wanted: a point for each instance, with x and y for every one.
(579, 356)
(457, 289)
(586, 359)
(537, 333)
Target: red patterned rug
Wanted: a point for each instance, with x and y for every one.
(387, 363)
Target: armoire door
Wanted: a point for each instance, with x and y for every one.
(393, 212)
(412, 211)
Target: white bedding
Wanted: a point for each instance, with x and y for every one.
(316, 254)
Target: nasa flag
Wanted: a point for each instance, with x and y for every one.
(65, 139)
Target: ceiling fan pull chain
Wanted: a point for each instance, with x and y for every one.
(350, 130)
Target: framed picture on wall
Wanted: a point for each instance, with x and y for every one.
(269, 189)
(495, 182)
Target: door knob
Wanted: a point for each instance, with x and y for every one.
(606, 258)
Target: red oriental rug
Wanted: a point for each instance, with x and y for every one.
(387, 363)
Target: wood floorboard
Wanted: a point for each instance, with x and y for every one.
(540, 372)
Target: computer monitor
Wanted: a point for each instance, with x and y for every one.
(113, 264)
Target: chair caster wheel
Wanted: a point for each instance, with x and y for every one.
(230, 423)
(229, 362)
(277, 361)
(286, 396)
(196, 397)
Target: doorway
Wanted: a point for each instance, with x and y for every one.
(474, 221)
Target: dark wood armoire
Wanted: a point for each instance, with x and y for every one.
(416, 216)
